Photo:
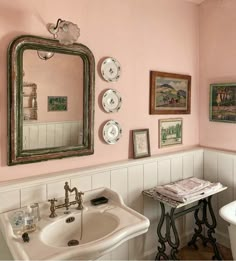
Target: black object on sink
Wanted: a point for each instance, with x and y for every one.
(99, 201)
(25, 237)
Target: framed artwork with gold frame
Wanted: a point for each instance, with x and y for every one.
(170, 93)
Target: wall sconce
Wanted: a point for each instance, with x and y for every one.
(66, 32)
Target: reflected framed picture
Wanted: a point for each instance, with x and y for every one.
(141, 143)
(57, 103)
(170, 93)
(223, 102)
(170, 132)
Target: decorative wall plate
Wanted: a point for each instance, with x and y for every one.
(111, 101)
(112, 132)
(110, 69)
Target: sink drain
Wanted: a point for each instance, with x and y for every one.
(73, 242)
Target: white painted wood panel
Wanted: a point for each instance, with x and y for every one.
(188, 166)
(150, 180)
(33, 194)
(219, 166)
(33, 137)
(225, 176)
(135, 187)
(176, 169)
(82, 183)
(164, 175)
(135, 201)
(42, 136)
(56, 189)
(58, 134)
(74, 133)
(52, 134)
(150, 175)
(9, 200)
(119, 182)
(210, 165)
(150, 210)
(198, 164)
(101, 180)
(66, 139)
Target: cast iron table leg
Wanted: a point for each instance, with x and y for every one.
(200, 222)
(173, 241)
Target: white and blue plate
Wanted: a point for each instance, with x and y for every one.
(110, 70)
(112, 132)
(111, 101)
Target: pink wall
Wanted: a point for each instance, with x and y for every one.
(62, 75)
(143, 35)
(217, 65)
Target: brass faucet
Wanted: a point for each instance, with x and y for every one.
(78, 200)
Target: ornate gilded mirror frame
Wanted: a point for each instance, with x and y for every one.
(16, 153)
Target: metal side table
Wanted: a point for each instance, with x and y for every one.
(168, 217)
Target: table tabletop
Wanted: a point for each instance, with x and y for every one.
(151, 193)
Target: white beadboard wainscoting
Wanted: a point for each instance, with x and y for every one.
(52, 134)
(221, 166)
(129, 178)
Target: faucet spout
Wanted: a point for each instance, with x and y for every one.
(78, 200)
(78, 197)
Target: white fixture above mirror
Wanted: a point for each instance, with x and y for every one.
(64, 31)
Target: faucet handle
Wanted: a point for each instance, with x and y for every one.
(79, 200)
(52, 208)
(52, 201)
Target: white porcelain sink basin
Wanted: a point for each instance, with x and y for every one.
(228, 212)
(81, 231)
(79, 235)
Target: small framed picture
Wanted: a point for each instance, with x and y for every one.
(170, 93)
(223, 102)
(57, 103)
(141, 143)
(170, 132)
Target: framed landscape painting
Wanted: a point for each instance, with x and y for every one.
(170, 132)
(170, 93)
(223, 102)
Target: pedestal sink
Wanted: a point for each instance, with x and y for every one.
(86, 234)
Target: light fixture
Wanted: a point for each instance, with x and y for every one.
(45, 55)
(66, 32)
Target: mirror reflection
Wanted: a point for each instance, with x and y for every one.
(52, 100)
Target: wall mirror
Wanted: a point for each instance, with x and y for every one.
(50, 100)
